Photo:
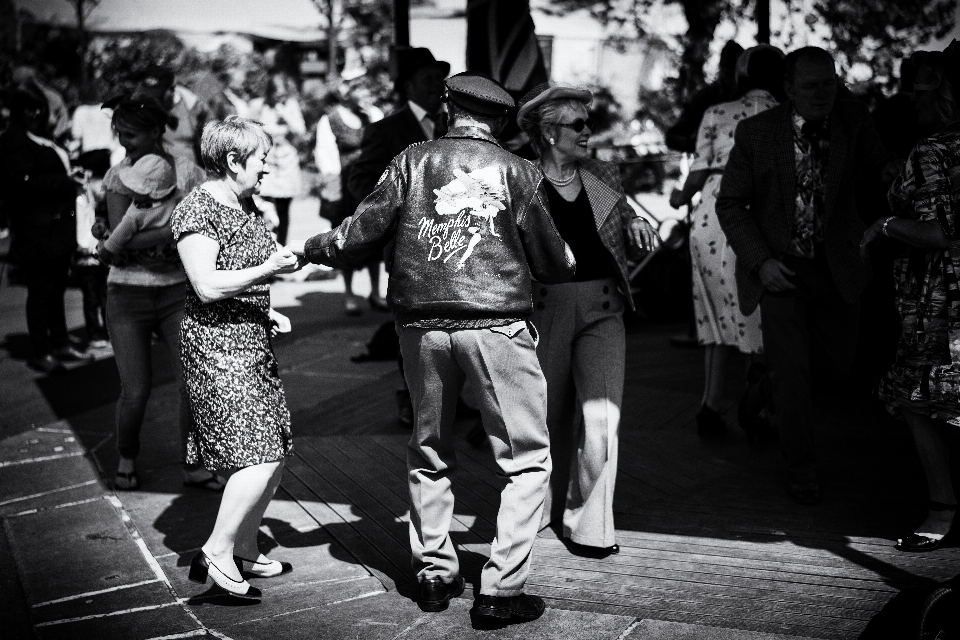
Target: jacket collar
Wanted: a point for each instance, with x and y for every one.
(474, 133)
(603, 197)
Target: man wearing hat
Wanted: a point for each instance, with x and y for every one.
(419, 83)
(470, 226)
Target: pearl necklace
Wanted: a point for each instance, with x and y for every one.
(562, 182)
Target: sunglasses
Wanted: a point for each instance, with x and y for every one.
(577, 125)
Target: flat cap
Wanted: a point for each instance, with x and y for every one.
(478, 94)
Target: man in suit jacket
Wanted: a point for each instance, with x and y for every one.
(787, 206)
(419, 83)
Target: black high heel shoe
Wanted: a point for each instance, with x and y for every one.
(201, 568)
(920, 542)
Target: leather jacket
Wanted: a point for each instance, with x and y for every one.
(469, 225)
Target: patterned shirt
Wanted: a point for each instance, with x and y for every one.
(811, 144)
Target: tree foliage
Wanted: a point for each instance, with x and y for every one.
(874, 32)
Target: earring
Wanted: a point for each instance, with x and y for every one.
(552, 141)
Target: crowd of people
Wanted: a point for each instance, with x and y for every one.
(508, 280)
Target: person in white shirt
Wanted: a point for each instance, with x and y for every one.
(339, 134)
(279, 111)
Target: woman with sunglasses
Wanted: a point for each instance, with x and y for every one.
(921, 387)
(582, 341)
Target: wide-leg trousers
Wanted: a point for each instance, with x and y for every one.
(581, 350)
(501, 364)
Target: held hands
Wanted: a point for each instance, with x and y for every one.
(279, 323)
(643, 235)
(774, 275)
(283, 260)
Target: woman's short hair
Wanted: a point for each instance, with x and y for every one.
(947, 100)
(139, 112)
(233, 134)
(545, 115)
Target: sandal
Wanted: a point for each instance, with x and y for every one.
(213, 482)
(126, 481)
(920, 542)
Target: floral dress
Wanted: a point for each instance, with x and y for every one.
(231, 374)
(921, 379)
(718, 315)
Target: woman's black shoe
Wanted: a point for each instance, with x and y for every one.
(586, 551)
(710, 423)
(921, 542)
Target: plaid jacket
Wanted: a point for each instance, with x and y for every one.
(756, 204)
(611, 212)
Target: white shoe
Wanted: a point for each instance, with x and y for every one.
(201, 567)
(269, 569)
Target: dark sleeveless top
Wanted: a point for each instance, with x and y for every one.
(575, 223)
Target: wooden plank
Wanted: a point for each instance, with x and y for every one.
(772, 544)
(474, 488)
(851, 597)
(380, 556)
(559, 599)
(659, 607)
(631, 564)
(762, 602)
(356, 462)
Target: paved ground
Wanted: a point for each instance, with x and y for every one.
(80, 561)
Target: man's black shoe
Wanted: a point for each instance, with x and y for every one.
(521, 608)
(435, 594)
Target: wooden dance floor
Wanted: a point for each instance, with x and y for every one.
(707, 534)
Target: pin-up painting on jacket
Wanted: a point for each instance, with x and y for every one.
(466, 206)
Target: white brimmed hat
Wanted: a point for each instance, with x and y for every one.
(545, 92)
(150, 176)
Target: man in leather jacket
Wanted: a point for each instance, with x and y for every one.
(471, 226)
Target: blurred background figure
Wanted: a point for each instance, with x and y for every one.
(421, 117)
(58, 118)
(339, 136)
(682, 136)
(279, 111)
(40, 192)
(720, 325)
(146, 289)
(188, 112)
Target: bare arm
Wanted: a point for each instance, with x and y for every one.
(117, 205)
(199, 256)
(919, 234)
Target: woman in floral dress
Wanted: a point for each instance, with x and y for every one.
(721, 326)
(242, 424)
(923, 386)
